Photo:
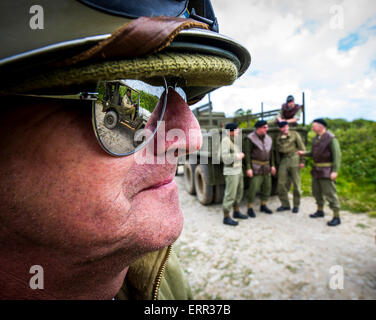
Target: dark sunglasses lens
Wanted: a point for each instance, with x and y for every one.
(126, 114)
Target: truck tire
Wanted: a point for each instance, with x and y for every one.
(189, 181)
(204, 190)
(110, 119)
(219, 193)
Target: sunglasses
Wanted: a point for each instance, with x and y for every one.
(126, 113)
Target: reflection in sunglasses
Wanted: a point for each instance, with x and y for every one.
(123, 109)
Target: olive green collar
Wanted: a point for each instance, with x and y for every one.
(141, 277)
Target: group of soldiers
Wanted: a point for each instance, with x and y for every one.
(289, 149)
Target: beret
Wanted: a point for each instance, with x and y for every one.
(231, 126)
(290, 98)
(321, 121)
(282, 124)
(260, 123)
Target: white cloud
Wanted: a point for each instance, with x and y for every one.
(294, 49)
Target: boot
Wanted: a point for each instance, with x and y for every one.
(251, 213)
(318, 214)
(239, 215)
(230, 222)
(282, 208)
(334, 222)
(265, 209)
(295, 210)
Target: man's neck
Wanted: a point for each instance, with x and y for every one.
(320, 134)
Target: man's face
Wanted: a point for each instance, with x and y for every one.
(285, 129)
(291, 104)
(60, 190)
(234, 133)
(263, 130)
(317, 127)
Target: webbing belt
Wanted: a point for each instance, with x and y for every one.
(323, 164)
(261, 163)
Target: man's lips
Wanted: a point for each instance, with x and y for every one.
(158, 171)
(159, 185)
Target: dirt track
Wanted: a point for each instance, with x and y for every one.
(283, 256)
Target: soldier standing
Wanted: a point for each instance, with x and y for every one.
(260, 163)
(287, 144)
(232, 170)
(326, 154)
(128, 104)
(290, 112)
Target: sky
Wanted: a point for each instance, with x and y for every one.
(325, 48)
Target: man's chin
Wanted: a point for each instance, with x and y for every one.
(157, 217)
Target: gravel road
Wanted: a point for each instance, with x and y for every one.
(282, 256)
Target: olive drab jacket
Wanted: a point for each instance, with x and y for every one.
(258, 153)
(288, 145)
(156, 276)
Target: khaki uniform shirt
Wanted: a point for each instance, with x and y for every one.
(288, 145)
(127, 102)
(229, 149)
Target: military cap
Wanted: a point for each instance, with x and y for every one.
(321, 121)
(260, 123)
(281, 124)
(84, 41)
(231, 126)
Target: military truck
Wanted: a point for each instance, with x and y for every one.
(116, 112)
(204, 178)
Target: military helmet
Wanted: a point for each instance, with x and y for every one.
(38, 40)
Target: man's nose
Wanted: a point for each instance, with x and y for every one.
(180, 130)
